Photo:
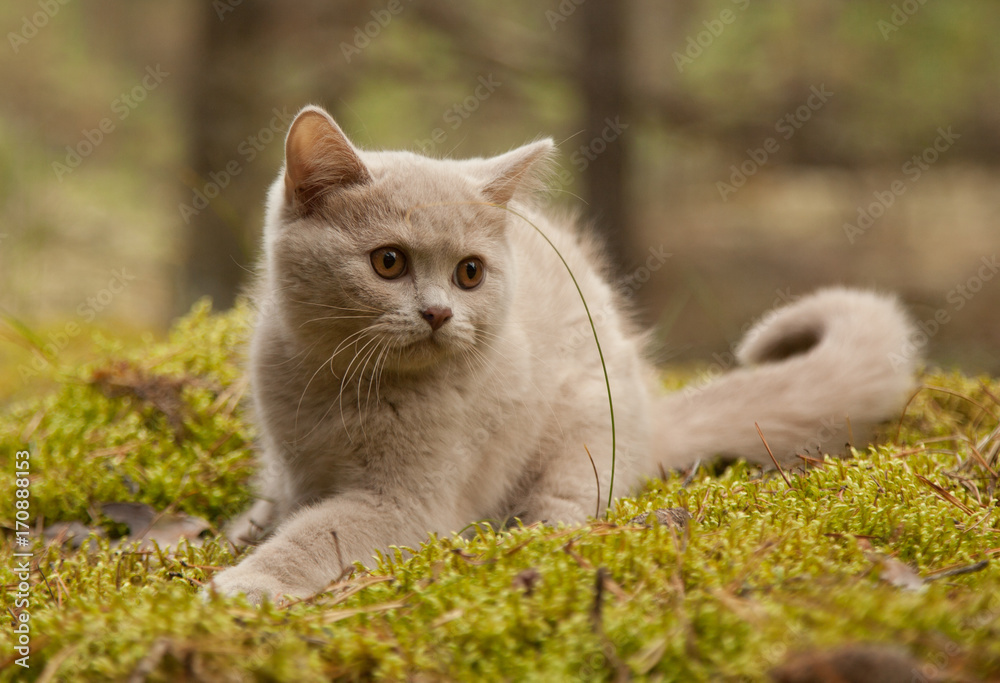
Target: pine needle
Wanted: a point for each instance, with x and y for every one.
(773, 459)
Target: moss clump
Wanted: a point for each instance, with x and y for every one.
(764, 570)
(157, 425)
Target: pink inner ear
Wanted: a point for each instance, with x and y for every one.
(514, 170)
(502, 188)
(319, 157)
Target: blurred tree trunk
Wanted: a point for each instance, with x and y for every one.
(224, 100)
(601, 78)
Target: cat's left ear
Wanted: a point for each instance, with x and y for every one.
(517, 170)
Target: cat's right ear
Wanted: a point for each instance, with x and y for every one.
(318, 158)
(516, 171)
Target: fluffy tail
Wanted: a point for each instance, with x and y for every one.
(821, 373)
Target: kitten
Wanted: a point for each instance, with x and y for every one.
(411, 371)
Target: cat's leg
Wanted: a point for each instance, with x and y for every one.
(254, 525)
(562, 492)
(567, 489)
(314, 546)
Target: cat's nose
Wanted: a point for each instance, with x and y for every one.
(436, 316)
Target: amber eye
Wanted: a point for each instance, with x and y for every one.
(470, 273)
(389, 262)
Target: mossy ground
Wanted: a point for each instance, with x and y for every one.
(765, 570)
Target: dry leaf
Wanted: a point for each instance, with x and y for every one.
(675, 517)
(162, 393)
(898, 574)
(146, 525)
(851, 664)
(74, 533)
(526, 580)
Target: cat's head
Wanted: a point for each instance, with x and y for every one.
(391, 256)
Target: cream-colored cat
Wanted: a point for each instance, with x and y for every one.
(411, 374)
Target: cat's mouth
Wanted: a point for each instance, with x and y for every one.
(417, 351)
(434, 341)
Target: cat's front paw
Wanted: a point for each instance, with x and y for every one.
(256, 585)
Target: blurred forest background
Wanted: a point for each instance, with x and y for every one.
(768, 147)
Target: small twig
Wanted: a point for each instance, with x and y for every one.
(149, 663)
(334, 616)
(986, 390)
(690, 477)
(474, 560)
(773, 459)
(61, 588)
(945, 494)
(603, 582)
(902, 416)
(595, 610)
(193, 582)
(982, 519)
(815, 462)
(53, 665)
(911, 451)
(962, 396)
(45, 581)
(597, 478)
(942, 439)
(568, 549)
(958, 571)
(29, 429)
(969, 484)
(346, 581)
(699, 516)
(981, 416)
(994, 435)
(982, 460)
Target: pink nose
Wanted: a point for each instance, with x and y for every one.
(436, 316)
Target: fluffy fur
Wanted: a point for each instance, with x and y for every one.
(390, 408)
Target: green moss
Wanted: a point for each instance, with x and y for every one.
(765, 570)
(88, 447)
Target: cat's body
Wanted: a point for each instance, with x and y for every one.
(466, 385)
